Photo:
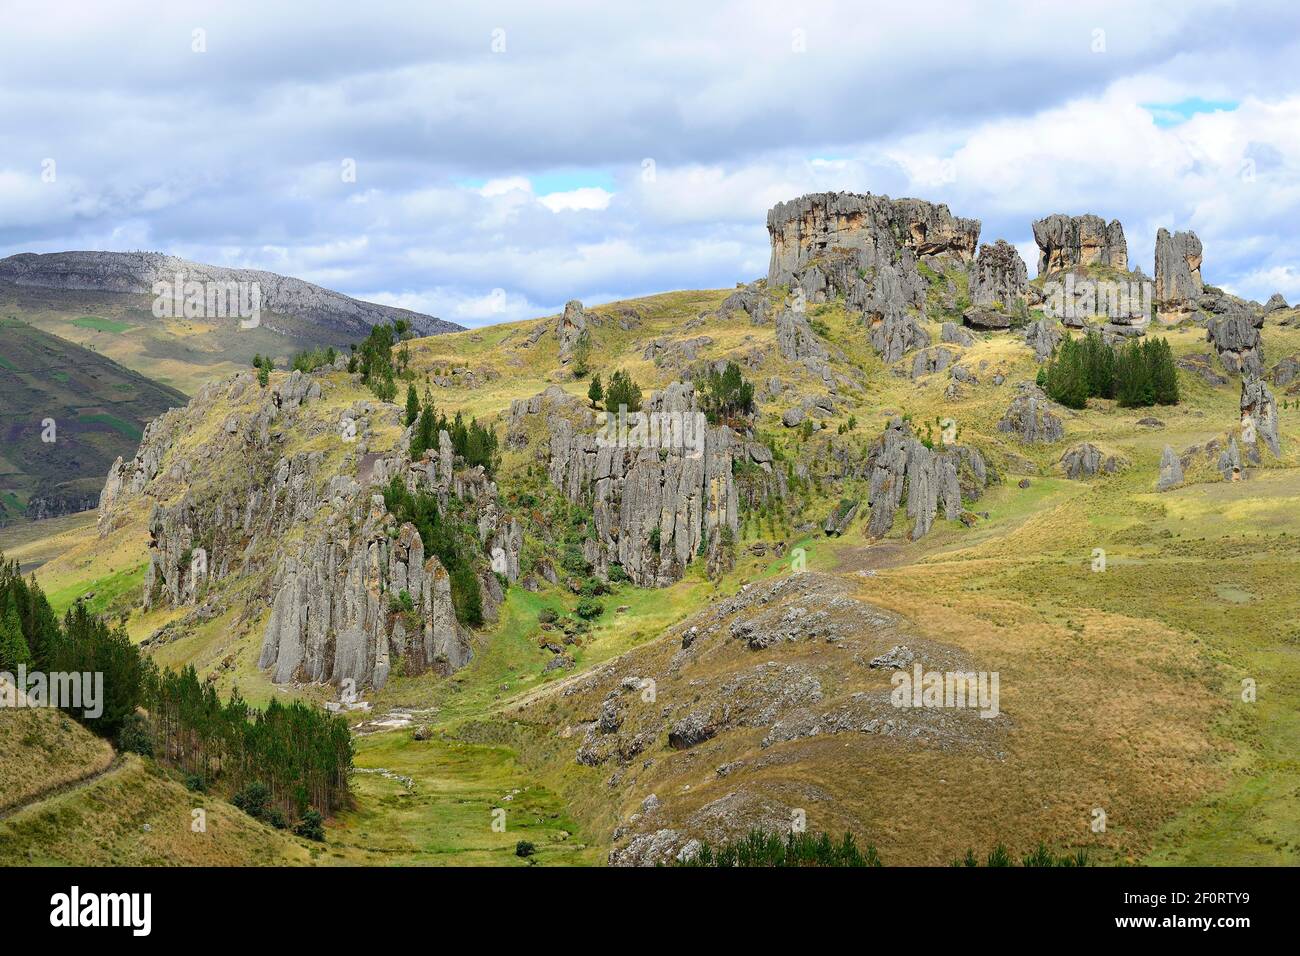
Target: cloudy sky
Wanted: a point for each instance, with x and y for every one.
(486, 162)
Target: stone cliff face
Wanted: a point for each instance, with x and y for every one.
(1065, 242)
(867, 248)
(1000, 276)
(906, 472)
(1178, 270)
(136, 273)
(654, 508)
(351, 591)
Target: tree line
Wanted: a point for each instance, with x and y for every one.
(301, 754)
(1135, 374)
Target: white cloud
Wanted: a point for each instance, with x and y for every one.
(587, 197)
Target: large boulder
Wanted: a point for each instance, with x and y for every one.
(1178, 270)
(570, 328)
(1233, 330)
(1087, 460)
(1065, 242)
(954, 334)
(795, 338)
(1171, 470)
(1276, 303)
(1043, 336)
(985, 319)
(1031, 417)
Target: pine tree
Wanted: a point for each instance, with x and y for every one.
(412, 405)
(1067, 376)
(595, 392)
(13, 646)
(1164, 374)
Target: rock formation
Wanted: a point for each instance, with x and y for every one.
(1233, 330)
(1031, 416)
(1171, 470)
(1000, 277)
(954, 334)
(1178, 271)
(1086, 460)
(866, 248)
(1065, 242)
(1043, 336)
(904, 471)
(1258, 418)
(653, 506)
(795, 338)
(1276, 303)
(570, 327)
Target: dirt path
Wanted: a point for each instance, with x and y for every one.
(62, 788)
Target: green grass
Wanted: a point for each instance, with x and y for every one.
(100, 325)
(126, 429)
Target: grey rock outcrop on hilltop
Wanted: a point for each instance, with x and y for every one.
(570, 327)
(905, 472)
(1276, 303)
(999, 277)
(1065, 242)
(1178, 270)
(136, 273)
(1032, 417)
(866, 248)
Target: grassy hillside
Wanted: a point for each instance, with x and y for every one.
(1121, 688)
(98, 410)
(44, 749)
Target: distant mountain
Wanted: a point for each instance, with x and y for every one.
(105, 301)
(137, 272)
(65, 414)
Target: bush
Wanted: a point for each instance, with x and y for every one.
(253, 799)
(195, 783)
(134, 736)
(589, 608)
(311, 826)
(546, 616)
(524, 849)
(276, 818)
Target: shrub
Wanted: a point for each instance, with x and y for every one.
(134, 736)
(195, 783)
(253, 799)
(311, 826)
(589, 608)
(524, 849)
(546, 616)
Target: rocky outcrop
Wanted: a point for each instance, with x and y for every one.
(795, 338)
(903, 471)
(653, 505)
(1000, 277)
(137, 272)
(1065, 242)
(954, 334)
(1171, 470)
(1229, 463)
(1032, 417)
(1087, 461)
(570, 328)
(752, 300)
(1043, 336)
(986, 320)
(932, 360)
(1276, 303)
(1233, 330)
(1286, 371)
(1202, 366)
(1258, 418)
(1178, 270)
(841, 516)
(866, 248)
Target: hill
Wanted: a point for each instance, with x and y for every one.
(681, 643)
(105, 301)
(66, 413)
